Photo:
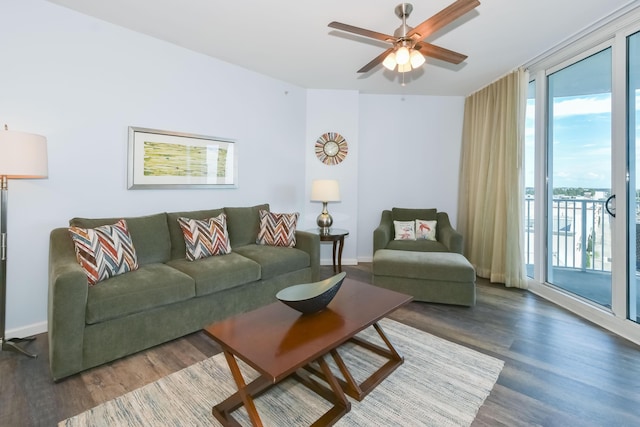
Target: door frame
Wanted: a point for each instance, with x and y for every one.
(613, 33)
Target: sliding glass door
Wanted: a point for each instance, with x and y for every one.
(579, 147)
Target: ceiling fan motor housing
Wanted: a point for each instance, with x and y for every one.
(403, 10)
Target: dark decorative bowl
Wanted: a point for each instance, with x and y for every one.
(311, 297)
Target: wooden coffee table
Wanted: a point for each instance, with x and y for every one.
(279, 342)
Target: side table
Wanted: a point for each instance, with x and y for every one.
(335, 235)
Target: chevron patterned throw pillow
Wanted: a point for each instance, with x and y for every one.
(277, 229)
(206, 237)
(104, 251)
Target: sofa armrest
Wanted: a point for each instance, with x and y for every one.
(310, 243)
(447, 235)
(383, 234)
(68, 290)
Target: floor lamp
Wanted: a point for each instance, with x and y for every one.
(22, 156)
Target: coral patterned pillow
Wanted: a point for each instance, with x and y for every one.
(277, 229)
(404, 230)
(104, 251)
(426, 229)
(205, 238)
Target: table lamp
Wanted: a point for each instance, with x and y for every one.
(22, 156)
(325, 190)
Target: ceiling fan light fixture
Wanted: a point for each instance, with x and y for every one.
(402, 55)
(406, 38)
(404, 68)
(390, 61)
(416, 58)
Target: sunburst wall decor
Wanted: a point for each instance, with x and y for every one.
(331, 148)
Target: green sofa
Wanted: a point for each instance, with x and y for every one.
(167, 296)
(430, 270)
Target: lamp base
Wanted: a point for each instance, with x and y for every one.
(324, 220)
(13, 344)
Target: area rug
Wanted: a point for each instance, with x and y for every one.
(439, 384)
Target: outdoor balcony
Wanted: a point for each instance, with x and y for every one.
(580, 242)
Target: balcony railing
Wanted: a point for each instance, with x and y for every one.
(580, 236)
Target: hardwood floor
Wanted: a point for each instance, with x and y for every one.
(560, 370)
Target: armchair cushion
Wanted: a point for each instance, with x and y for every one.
(447, 239)
(404, 214)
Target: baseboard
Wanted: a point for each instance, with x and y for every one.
(345, 261)
(27, 331)
(603, 318)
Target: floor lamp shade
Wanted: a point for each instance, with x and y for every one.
(22, 156)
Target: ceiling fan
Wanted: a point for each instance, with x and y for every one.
(408, 48)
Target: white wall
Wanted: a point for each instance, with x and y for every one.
(81, 82)
(409, 156)
(335, 111)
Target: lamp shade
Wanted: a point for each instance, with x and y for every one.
(390, 61)
(23, 155)
(325, 190)
(402, 55)
(416, 59)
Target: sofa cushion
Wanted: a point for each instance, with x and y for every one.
(217, 273)
(277, 229)
(176, 237)
(276, 260)
(150, 235)
(243, 224)
(150, 286)
(104, 251)
(205, 237)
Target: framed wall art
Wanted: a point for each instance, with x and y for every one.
(163, 159)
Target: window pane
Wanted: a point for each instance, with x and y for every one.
(634, 184)
(578, 227)
(529, 178)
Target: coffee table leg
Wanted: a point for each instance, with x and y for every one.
(335, 394)
(243, 396)
(349, 384)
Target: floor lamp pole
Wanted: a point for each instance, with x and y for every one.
(13, 343)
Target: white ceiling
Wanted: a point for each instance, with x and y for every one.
(289, 39)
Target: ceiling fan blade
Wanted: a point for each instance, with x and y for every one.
(442, 18)
(377, 60)
(441, 53)
(363, 32)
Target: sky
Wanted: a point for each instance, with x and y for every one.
(581, 141)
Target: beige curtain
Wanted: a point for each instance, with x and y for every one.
(491, 180)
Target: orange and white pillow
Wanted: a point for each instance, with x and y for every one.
(104, 251)
(426, 230)
(206, 237)
(277, 229)
(404, 230)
